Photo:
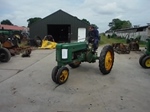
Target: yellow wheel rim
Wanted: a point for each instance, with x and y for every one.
(108, 60)
(63, 77)
(147, 63)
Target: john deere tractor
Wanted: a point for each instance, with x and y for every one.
(144, 60)
(73, 54)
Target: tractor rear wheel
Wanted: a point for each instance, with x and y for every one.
(54, 73)
(141, 60)
(62, 75)
(106, 59)
(146, 62)
(4, 55)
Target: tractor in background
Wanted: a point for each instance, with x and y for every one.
(14, 46)
(133, 43)
(144, 60)
(121, 48)
(73, 54)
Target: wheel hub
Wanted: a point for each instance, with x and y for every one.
(108, 61)
(147, 63)
(63, 76)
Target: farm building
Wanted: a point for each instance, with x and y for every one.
(143, 32)
(11, 29)
(62, 26)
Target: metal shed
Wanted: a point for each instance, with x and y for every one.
(143, 32)
(62, 26)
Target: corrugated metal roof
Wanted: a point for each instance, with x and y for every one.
(136, 28)
(11, 27)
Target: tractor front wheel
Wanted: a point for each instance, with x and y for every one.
(141, 60)
(146, 62)
(54, 72)
(62, 75)
(106, 59)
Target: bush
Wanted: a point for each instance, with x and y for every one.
(138, 38)
(108, 36)
(128, 40)
(113, 35)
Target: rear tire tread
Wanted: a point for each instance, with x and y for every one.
(102, 59)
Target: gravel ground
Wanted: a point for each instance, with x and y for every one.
(26, 86)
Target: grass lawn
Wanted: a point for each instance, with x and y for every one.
(106, 40)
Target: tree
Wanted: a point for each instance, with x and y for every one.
(126, 24)
(94, 26)
(115, 24)
(86, 21)
(119, 24)
(6, 22)
(33, 20)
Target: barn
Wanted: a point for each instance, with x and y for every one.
(143, 32)
(62, 26)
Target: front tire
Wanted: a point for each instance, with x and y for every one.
(146, 62)
(54, 73)
(106, 59)
(141, 59)
(4, 55)
(62, 75)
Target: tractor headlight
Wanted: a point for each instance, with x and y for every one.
(64, 53)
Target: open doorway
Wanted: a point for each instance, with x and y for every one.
(60, 33)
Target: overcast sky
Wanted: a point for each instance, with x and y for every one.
(99, 12)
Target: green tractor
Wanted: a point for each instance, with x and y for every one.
(144, 60)
(4, 54)
(73, 54)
